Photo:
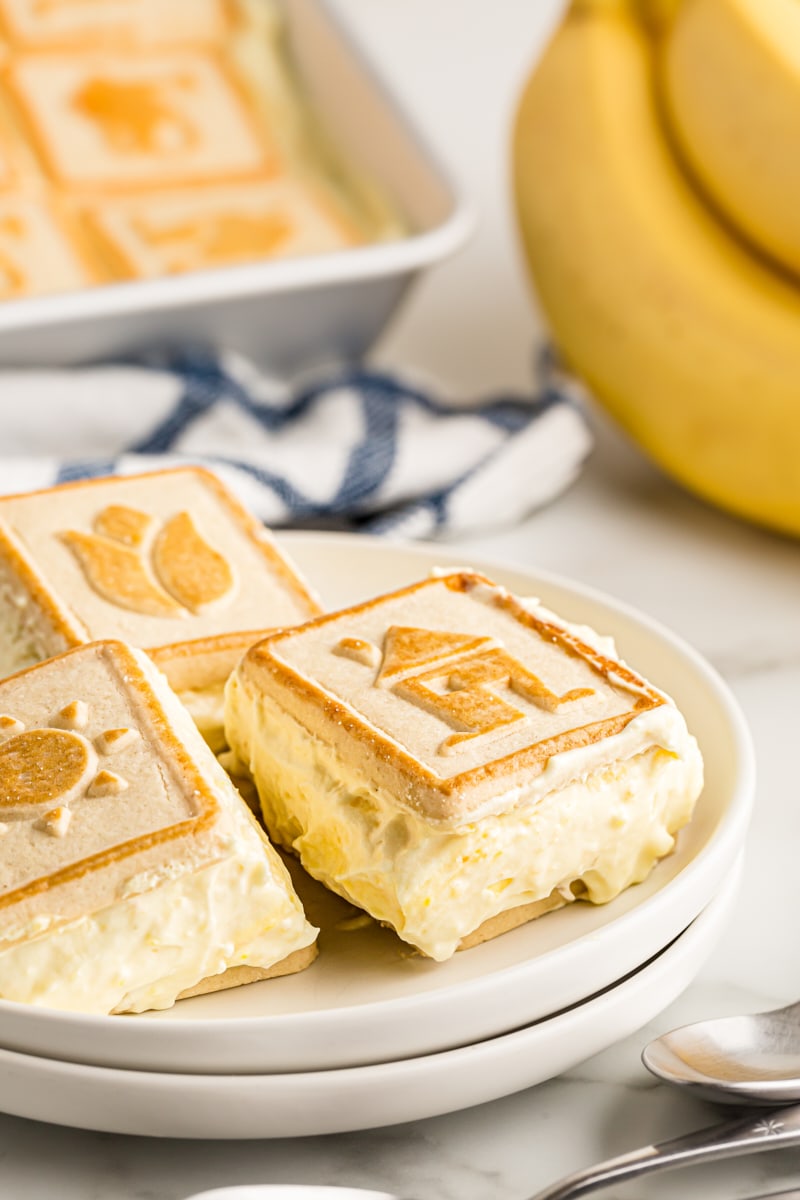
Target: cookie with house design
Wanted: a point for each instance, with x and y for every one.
(168, 561)
(456, 761)
(130, 870)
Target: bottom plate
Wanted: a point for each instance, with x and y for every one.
(154, 1104)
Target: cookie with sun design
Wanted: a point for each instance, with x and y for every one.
(169, 562)
(456, 761)
(130, 870)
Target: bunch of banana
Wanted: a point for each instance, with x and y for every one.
(657, 178)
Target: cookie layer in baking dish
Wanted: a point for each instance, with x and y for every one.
(146, 140)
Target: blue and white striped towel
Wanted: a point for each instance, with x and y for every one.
(354, 446)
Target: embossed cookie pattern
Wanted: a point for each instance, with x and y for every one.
(455, 682)
(164, 234)
(55, 766)
(116, 121)
(178, 574)
(91, 775)
(457, 678)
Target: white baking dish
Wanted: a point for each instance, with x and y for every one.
(289, 313)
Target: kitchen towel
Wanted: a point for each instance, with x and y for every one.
(350, 447)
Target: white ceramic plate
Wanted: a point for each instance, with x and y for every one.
(366, 1000)
(320, 1102)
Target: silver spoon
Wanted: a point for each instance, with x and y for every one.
(735, 1060)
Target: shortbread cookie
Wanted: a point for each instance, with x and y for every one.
(126, 121)
(456, 762)
(169, 562)
(165, 234)
(131, 870)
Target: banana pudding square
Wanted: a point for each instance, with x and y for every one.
(456, 762)
(154, 235)
(132, 873)
(145, 24)
(124, 121)
(169, 562)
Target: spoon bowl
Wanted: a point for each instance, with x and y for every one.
(746, 1060)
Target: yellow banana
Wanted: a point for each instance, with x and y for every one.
(689, 340)
(658, 15)
(731, 87)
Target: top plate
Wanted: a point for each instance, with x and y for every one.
(368, 999)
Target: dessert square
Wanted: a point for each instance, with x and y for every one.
(35, 253)
(84, 23)
(123, 121)
(131, 869)
(165, 234)
(455, 761)
(169, 562)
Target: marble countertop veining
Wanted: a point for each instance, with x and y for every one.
(729, 589)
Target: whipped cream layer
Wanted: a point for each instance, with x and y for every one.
(164, 934)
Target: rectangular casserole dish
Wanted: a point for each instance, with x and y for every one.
(285, 314)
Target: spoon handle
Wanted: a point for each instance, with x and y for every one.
(750, 1134)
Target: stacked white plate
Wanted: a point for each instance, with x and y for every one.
(372, 1035)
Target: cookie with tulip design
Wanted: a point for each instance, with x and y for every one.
(132, 873)
(457, 761)
(169, 562)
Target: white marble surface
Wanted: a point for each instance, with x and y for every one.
(729, 589)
